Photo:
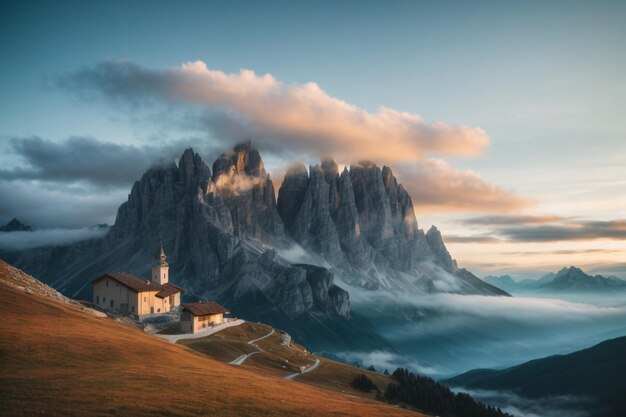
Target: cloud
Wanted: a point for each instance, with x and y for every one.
(471, 239)
(436, 186)
(555, 406)
(287, 117)
(299, 120)
(456, 333)
(84, 159)
(562, 252)
(520, 228)
(520, 309)
(58, 206)
(48, 237)
(382, 360)
(236, 184)
(508, 220)
(583, 230)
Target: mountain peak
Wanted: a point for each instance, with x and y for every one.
(15, 226)
(330, 169)
(242, 159)
(435, 242)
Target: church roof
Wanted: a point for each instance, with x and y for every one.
(204, 308)
(169, 289)
(141, 285)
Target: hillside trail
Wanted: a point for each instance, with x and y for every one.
(241, 359)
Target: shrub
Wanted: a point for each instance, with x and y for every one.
(364, 383)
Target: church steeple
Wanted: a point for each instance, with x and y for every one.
(160, 271)
(160, 255)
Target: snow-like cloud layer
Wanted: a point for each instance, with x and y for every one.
(48, 237)
(453, 333)
(557, 406)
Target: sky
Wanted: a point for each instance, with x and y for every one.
(505, 121)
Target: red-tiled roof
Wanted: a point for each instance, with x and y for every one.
(169, 289)
(204, 308)
(141, 285)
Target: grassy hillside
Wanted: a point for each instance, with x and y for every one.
(280, 360)
(58, 359)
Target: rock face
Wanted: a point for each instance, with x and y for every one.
(435, 242)
(362, 222)
(224, 233)
(217, 229)
(248, 191)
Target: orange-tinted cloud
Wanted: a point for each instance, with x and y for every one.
(436, 186)
(285, 117)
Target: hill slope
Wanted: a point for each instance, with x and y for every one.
(58, 359)
(596, 372)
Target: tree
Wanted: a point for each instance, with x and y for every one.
(364, 383)
(432, 397)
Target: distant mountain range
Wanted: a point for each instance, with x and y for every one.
(596, 372)
(570, 279)
(276, 260)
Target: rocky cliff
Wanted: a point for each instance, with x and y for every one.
(218, 229)
(362, 222)
(225, 235)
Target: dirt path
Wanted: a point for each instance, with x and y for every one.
(241, 359)
(309, 369)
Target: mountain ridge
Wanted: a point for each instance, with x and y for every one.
(595, 371)
(567, 279)
(225, 234)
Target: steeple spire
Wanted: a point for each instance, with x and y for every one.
(160, 255)
(160, 271)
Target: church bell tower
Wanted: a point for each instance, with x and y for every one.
(160, 271)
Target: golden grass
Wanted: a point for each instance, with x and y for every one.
(338, 377)
(56, 360)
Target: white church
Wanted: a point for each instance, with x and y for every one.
(126, 293)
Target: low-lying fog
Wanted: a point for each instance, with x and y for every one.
(559, 406)
(442, 335)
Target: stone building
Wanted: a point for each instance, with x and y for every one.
(196, 317)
